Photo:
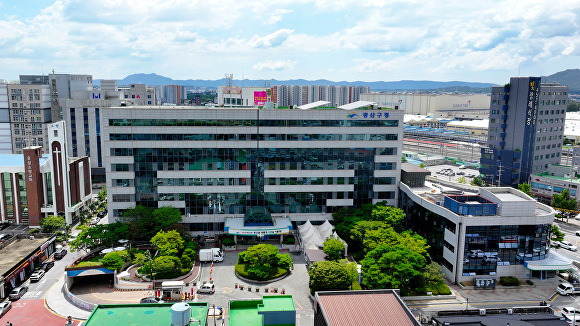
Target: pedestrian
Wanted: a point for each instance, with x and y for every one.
(8, 323)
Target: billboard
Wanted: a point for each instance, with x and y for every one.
(260, 98)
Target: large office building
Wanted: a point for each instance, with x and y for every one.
(220, 163)
(481, 233)
(526, 126)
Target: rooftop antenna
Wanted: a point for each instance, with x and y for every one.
(229, 78)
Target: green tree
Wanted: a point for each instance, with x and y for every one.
(477, 182)
(262, 261)
(166, 266)
(333, 248)
(433, 273)
(461, 180)
(102, 196)
(115, 260)
(525, 188)
(391, 267)
(392, 215)
(165, 218)
(169, 243)
(557, 235)
(328, 276)
(140, 259)
(422, 165)
(53, 224)
(564, 201)
(138, 220)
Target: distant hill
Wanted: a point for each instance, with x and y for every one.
(569, 77)
(154, 79)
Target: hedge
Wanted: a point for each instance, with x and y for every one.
(509, 281)
(241, 270)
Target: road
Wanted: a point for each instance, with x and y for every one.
(31, 309)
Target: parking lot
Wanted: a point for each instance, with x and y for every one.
(452, 172)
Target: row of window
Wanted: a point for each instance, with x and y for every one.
(552, 188)
(548, 138)
(253, 123)
(541, 157)
(252, 137)
(552, 102)
(538, 147)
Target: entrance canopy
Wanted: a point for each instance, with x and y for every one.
(281, 225)
(553, 262)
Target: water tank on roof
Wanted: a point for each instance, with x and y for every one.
(180, 313)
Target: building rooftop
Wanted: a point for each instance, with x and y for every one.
(369, 308)
(189, 107)
(18, 250)
(150, 314)
(256, 312)
(555, 177)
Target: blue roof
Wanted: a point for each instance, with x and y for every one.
(17, 160)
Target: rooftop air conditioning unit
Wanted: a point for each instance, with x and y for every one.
(482, 312)
(510, 311)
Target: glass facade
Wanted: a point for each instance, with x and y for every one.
(334, 175)
(486, 247)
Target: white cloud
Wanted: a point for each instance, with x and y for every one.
(274, 65)
(271, 40)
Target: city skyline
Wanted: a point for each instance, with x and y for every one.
(339, 41)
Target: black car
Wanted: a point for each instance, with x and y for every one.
(60, 254)
(152, 300)
(47, 265)
(101, 214)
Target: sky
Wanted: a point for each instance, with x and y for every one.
(338, 40)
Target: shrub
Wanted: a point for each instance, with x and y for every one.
(228, 242)
(529, 282)
(33, 231)
(241, 270)
(355, 286)
(439, 288)
(113, 260)
(186, 262)
(189, 252)
(509, 281)
(167, 267)
(289, 240)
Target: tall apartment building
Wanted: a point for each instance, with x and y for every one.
(526, 126)
(30, 111)
(5, 129)
(220, 163)
(172, 94)
(295, 95)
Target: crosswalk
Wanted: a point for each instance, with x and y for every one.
(32, 295)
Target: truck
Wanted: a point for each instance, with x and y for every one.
(213, 254)
(567, 288)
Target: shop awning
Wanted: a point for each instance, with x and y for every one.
(553, 262)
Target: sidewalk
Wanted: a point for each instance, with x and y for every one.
(55, 300)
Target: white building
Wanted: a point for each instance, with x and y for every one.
(214, 163)
(449, 106)
(482, 232)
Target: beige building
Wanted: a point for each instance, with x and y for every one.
(470, 106)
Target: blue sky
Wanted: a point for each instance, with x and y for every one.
(339, 40)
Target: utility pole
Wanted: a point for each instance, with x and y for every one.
(499, 170)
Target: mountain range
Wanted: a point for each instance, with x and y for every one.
(570, 77)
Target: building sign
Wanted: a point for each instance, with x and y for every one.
(484, 283)
(532, 100)
(258, 232)
(29, 170)
(367, 115)
(260, 98)
(96, 95)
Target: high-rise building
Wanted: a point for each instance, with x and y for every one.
(172, 94)
(30, 111)
(5, 129)
(294, 95)
(526, 125)
(217, 163)
(139, 94)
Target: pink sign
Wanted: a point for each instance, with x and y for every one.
(260, 98)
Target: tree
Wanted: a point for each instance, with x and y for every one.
(477, 182)
(329, 275)
(53, 224)
(140, 259)
(102, 196)
(262, 261)
(525, 188)
(433, 273)
(333, 248)
(557, 235)
(166, 218)
(461, 180)
(166, 266)
(115, 260)
(392, 215)
(391, 267)
(169, 243)
(422, 165)
(563, 200)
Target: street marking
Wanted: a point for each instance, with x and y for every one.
(19, 304)
(32, 294)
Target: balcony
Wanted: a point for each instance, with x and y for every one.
(517, 154)
(502, 144)
(504, 117)
(502, 134)
(516, 165)
(504, 108)
(503, 126)
(506, 97)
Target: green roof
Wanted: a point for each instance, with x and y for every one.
(255, 312)
(555, 177)
(150, 314)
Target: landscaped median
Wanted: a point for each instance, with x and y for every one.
(262, 263)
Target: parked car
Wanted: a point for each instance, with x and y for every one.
(570, 311)
(206, 288)
(568, 245)
(460, 173)
(94, 220)
(101, 214)
(60, 254)
(17, 293)
(4, 307)
(37, 275)
(4, 237)
(578, 233)
(463, 167)
(46, 266)
(152, 300)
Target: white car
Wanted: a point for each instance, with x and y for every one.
(4, 307)
(578, 233)
(570, 311)
(568, 245)
(37, 275)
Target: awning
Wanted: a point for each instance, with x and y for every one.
(553, 262)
